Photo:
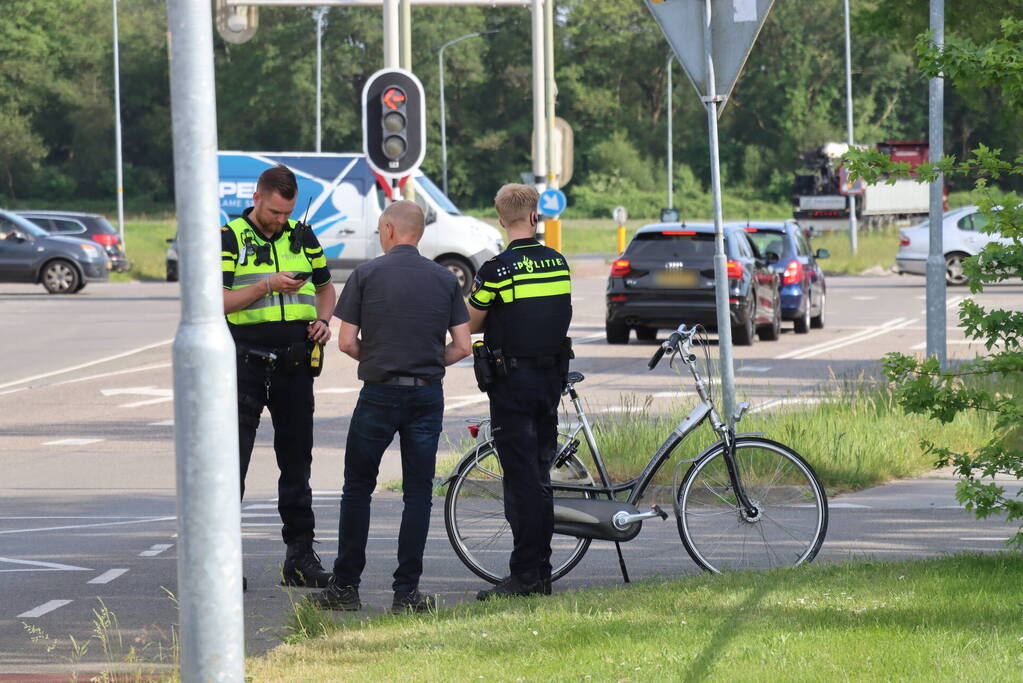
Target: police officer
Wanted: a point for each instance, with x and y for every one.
(278, 297)
(521, 300)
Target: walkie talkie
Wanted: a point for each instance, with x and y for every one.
(296, 234)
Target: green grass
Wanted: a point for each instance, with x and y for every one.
(853, 439)
(146, 243)
(955, 618)
(875, 249)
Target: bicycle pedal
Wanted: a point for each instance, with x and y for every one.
(660, 513)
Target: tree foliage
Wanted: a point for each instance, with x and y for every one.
(56, 94)
(992, 383)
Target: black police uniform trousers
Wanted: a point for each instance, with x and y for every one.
(289, 396)
(524, 418)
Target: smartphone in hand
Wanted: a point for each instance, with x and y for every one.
(301, 275)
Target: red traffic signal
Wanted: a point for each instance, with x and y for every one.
(393, 98)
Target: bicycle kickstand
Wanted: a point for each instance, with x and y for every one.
(621, 562)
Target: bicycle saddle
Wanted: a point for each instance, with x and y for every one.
(574, 378)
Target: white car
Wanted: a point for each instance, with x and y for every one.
(961, 238)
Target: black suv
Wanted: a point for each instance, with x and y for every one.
(666, 277)
(88, 226)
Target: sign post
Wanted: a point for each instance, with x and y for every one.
(712, 47)
(551, 205)
(620, 215)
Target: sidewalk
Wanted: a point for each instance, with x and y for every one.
(935, 489)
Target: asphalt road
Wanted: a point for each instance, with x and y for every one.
(87, 498)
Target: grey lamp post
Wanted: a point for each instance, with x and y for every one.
(443, 124)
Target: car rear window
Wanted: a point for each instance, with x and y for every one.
(101, 224)
(766, 241)
(672, 245)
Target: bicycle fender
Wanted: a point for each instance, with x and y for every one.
(466, 459)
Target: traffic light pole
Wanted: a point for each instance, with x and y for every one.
(720, 262)
(209, 546)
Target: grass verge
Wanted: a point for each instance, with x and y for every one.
(853, 439)
(951, 618)
(146, 241)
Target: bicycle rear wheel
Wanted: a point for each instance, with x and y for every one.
(475, 522)
(792, 509)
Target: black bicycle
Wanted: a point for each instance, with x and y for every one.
(744, 502)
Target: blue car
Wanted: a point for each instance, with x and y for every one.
(803, 288)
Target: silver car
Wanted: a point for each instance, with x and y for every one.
(961, 238)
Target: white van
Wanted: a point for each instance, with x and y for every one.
(344, 201)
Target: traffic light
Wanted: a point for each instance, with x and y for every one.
(393, 122)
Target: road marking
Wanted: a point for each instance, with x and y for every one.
(590, 338)
(87, 365)
(44, 608)
(162, 423)
(784, 401)
(37, 566)
(108, 576)
(885, 328)
(855, 335)
(832, 506)
(864, 298)
(163, 394)
(86, 526)
(985, 538)
(155, 550)
(12, 391)
(755, 368)
(336, 390)
(142, 368)
(463, 401)
(71, 442)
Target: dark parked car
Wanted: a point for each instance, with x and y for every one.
(61, 264)
(85, 225)
(803, 288)
(666, 276)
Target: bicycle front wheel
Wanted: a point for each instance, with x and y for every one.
(475, 522)
(791, 517)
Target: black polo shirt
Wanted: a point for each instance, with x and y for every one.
(404, 304)
(527, 293)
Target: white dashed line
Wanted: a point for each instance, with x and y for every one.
(108, 576)
(985, 538)
(44, 608)
(72, 442)
(755, 368)
(155, 550)
(162, 423)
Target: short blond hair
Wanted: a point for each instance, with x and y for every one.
(515, 201)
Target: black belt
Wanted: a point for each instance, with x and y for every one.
(537, 362)
(406, 381)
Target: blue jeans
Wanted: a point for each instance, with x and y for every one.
(416, 414)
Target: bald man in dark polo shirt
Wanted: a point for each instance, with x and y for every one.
(395, 311)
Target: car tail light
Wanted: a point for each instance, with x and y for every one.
(106, 239)
(903, 241)
(793, 273)
(748, 229)
(619, 297)
(734, 270)
(678, 232)
(621, 267)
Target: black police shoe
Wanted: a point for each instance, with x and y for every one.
(512, 586)
(412, 601)
(338, 597)
(302, 566)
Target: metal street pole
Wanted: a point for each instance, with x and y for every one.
(671, 164)
(720, 262)
(405, 22)
(205, 389)
(936, 312)
(117, 131)
(539, 101)
(391, 40)
(443, 119)
(849, 123)
(318, 13)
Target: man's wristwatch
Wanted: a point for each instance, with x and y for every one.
(324, 322)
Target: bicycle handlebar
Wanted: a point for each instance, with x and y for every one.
(671, 345)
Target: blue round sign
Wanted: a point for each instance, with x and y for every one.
(552, 203)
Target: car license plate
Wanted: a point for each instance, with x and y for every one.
(676, 279)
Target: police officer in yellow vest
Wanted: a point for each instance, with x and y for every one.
(278, 297)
